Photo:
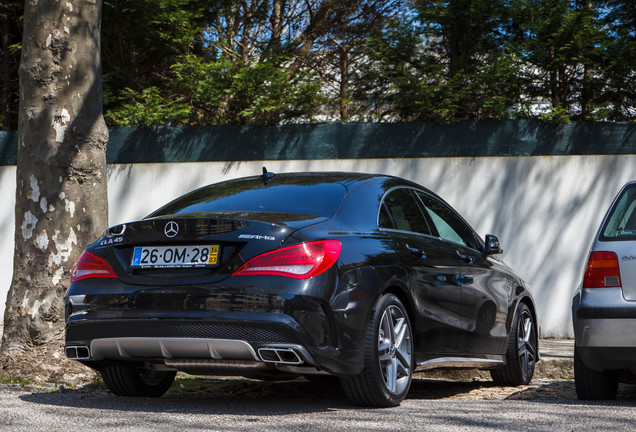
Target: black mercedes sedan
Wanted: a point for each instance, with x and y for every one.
(364, 277)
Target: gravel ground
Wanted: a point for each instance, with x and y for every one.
(246, 405)
(438, 401)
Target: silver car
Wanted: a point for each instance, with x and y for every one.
(604, 306)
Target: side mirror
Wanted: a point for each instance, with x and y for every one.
(492, 245)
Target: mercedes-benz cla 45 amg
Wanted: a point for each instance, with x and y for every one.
(363, 277)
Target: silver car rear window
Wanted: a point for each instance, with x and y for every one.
(621, 221)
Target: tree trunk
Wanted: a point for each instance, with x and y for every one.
(276, 19)
(554, 94)
(586, 91)
(61, 202)
(344, 81)
(587, 95)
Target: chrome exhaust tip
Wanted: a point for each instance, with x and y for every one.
(78, 352)
(285, 356)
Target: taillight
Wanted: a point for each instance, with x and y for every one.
(299, 262)
(602, 271)
(89, 265)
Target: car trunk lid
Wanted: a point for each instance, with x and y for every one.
(196, 248)
(626, 253)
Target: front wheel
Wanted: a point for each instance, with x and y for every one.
(388, 357)
(521, 355)
(134, 380)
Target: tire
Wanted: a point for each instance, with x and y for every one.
(133, 380)
(388, 357)
(592, 384)
(521, 354)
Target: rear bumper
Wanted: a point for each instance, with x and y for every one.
(200, 349)
(605, 328)
(605, 333)
(608, 358)
(168, 341)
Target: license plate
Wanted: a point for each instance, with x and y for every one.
(175, 256)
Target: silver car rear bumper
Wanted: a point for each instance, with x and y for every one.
(605, 329)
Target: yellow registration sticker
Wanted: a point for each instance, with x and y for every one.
(214, 255)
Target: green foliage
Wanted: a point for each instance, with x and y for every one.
(96, 384)
(189, 67)
(227, 92)
(445, 69)
(141, 40)
(148, 108)
(557, 114)
(15, 380)
(564, 45)
(618, 68)
(228, 62)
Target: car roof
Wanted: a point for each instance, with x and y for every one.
(341, 177)
(361, 199)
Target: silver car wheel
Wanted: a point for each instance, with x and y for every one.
(525, 345)
(394, 349)
(521, 353)
(388, 357)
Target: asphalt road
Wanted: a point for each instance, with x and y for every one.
(243, 405)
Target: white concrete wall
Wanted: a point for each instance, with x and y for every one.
(544, 209)
(7, 231)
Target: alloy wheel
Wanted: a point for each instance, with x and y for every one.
(394, 349)
(526, 348)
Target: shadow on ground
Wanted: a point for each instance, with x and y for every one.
(250, 397)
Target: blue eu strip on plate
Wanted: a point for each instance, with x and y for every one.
(136, 257)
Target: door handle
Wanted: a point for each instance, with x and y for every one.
(417, 252)
(466, 258)
(463, 280)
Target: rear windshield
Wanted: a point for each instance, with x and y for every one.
(281, 196)
(621, 223)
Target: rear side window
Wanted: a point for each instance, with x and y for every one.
(621, 222)
(404, 212)
(284, 195)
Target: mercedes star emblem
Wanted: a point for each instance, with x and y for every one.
(171, 229)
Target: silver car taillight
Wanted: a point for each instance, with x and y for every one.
(602, 270)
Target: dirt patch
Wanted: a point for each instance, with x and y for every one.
(46, 364)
